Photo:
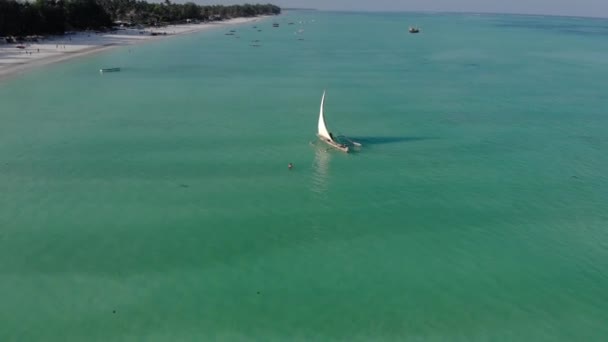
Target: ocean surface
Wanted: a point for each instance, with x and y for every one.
(155, 204)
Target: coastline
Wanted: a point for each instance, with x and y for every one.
(54, 49)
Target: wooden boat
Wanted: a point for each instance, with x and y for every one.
(101, 71)
(322, 132)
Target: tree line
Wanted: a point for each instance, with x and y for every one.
(18, 18)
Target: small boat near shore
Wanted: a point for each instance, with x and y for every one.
(414, 29)
(104, 70)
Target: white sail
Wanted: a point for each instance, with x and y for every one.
(323, 132)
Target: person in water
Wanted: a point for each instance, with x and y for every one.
(290, 166)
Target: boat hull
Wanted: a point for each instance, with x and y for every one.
(334, 144)
(101, 71)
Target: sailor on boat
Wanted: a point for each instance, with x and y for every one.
(333, 140)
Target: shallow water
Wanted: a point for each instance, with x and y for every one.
(156, 203)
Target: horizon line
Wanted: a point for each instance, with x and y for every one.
(448, 12)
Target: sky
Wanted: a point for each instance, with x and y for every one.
(589, 8)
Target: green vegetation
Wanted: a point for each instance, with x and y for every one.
(19, 18)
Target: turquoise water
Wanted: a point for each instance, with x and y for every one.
(155, 204)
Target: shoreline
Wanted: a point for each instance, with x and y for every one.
(55, 49)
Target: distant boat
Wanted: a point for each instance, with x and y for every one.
(325, 135)
(275, 25)
(102, 71)
(414, 29)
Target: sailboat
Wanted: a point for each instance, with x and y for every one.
(326, 136)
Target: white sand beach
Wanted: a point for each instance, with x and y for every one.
(18, 58)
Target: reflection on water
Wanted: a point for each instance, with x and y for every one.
(320, 176)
